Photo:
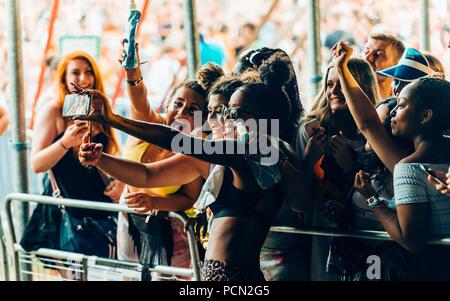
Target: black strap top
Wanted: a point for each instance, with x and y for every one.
(78, 182)
(234, 202)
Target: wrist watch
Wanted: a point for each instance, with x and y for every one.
(373, 201)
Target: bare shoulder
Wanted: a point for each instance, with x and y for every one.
(50, 116)
(50, 110)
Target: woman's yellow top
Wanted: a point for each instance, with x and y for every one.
(135, 153)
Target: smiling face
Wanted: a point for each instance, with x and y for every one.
(243, 111)
(216, 106)
(406, 121)
(79, 72)
(182, 106)
(334, 93)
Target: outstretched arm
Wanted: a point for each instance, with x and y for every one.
(176, 170)
(363, 111)
(221, 152)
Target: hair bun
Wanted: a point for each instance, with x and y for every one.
(275, 72)
(208, 74)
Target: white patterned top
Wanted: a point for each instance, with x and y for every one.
(411, 186)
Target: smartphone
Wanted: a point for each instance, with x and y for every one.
(311, 127)
(76, 105)
(423, 168)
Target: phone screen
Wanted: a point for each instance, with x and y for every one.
(310, 127)
(422, 167)
(76, 105)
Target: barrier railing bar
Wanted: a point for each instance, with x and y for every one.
(366, 234)
(108, 262)
(46, 276)
(193, 250)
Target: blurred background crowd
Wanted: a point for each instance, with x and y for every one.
(226, 29)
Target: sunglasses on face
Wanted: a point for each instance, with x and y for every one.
(217, 111)
(235, 113)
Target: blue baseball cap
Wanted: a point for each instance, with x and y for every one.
(413, 65)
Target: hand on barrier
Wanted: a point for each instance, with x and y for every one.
(140, 202)
(114, 190)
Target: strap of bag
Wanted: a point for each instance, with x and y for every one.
(55, 188)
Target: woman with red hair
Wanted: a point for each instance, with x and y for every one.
(55, 146)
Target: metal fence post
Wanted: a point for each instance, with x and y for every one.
(314, 46)
(191, 33)
(19, 144)
(425, 25)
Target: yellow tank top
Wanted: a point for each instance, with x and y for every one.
(135, 153)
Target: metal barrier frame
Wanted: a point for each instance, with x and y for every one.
(15, 248)
(365, 234)
(195, 271)
(3, 255)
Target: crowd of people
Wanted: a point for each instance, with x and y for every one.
(222, 24)
(237, 151)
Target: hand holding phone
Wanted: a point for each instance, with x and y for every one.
(312, 126)
(76, 105)
(433, 176)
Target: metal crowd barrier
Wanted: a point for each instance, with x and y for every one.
(124, 270)
(74, 266)
(3, 256)
(366, 234)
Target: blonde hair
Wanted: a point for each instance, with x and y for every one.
(364, 76)
(434, 62)
(63, 90)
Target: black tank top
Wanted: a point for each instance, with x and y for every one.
(78, 182)
(234, 202)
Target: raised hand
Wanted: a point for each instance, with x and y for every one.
(132, 74)
(90, 153)
(140, 202)
(342, 53)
